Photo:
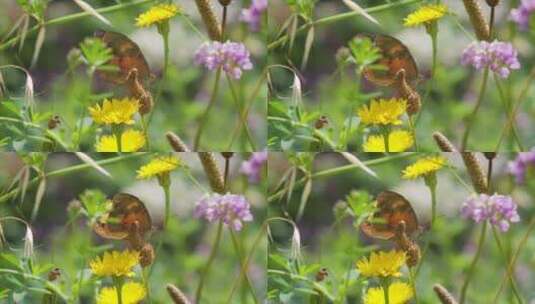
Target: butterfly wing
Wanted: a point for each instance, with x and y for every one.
(127, 211)
(392, 209)
(394, 57)
(126, 56)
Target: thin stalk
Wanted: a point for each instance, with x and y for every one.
(510, 276)
(385, 290)
(508, 107)
(239, 252)
(69, 170)
(213, 253)
(472, 268)
(118, 282)
(473, 115)
(242, 114)
(412, 278)
(73, 17)
(433, 191)
(340, 17)
(204, 117)
(511, 265)
(343, 169)
(225, 174)
(167, 192)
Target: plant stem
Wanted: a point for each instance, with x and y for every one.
(473, 115)
(74, 17)
(204, 117)
(385, 285)
(211, 258)
(340, 17)
(472, 269)
(118, 282)
(431, 183)
(72, 169)
(242, 114)
(166, 190)
(511, 277)
(239, 252)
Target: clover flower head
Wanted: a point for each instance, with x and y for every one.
(232, 209)
(520, 166)
(253, 166)
(232, 57)
(499, 210)
(523, 13)
(499, 57)
(253, 14)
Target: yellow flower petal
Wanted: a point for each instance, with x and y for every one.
(398, 293)
(383, 112)
(131, 141)
(426, 14)
(157, 14)
(131, 293)
(115, 263)
(115, 111)
(398, 141)
(382, 264)
(424, 166)
(158, 166)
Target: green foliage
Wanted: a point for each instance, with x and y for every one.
(36, 8)
(364, 52)
(95, 54)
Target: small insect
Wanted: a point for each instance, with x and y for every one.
(53, 122)
(392, 209)
(322, 274)
(321, 122)
(54, 274)
(129, 220)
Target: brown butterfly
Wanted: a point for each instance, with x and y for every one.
(127, 219)
(126, 56)
(401, 70)
(395, 56)
(393, 209)
(133, 70)
(395, 220)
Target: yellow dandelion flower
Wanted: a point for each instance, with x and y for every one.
(383, 112)
(158, 166)
(398, 141)
(131, 293)
(157, 14)
(398, 293)
(426, 14)
(131, 141)
(115, 263)
(424, 167)
(115, 111)
(382, 264)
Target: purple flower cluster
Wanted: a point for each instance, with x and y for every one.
(253, 166)
(253, 14)
(520, 166)
(233, 57)
(500, 210)
(522, 14)
(232, 209)
(500, 57)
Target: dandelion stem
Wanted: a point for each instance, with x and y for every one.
(204, 117)
(385, 284)
(473, 265)
(166, 190)
(471, 119)
(211, 258)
